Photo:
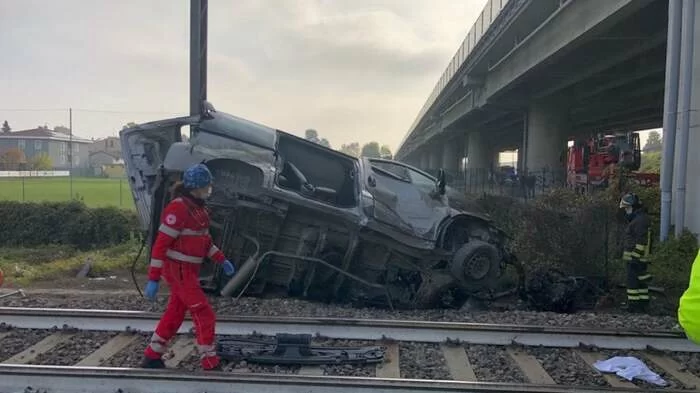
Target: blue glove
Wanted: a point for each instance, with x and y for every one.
(229, 268)
(151, 289)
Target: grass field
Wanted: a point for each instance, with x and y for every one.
(95, 192)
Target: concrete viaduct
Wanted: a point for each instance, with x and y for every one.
(533, 74)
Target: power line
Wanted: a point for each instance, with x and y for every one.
(87, 110)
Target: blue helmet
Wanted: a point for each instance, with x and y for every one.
(197, 176)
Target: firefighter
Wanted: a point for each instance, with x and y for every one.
(182, 244)
(637, 247)
(689, 305)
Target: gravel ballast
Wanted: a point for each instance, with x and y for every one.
(493, 364)
(299, 308)
(565, 367)
(20, 339)
(422, 361)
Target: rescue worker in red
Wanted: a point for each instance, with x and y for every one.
(182, 244)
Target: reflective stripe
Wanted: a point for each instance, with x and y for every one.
(156, 263)
(644, 277)
(643, 297)
(632, 291)
(158, 344)
(170, 231)
(640, 247)
(633, 297)
(206, 351)
(178, 256)
(212, 250)
(192, 232)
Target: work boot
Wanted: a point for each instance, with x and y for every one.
(152, 363)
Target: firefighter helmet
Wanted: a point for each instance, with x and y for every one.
(630, 200)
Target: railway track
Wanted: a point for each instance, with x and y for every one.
(64, 350)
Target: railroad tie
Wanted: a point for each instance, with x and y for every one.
(531, 367)
(674, 368)
(390, 367)
(458, 363)
(590, 358)
(180, 350)
(43, 346)
(106, 351)
(311, 370)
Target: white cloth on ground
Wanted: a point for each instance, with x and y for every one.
(629, 367)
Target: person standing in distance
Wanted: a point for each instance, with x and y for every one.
(182, 244)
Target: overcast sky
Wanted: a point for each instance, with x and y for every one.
(355, 70)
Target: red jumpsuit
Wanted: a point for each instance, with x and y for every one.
(182, 243)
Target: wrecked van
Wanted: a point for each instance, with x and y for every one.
(302, 220)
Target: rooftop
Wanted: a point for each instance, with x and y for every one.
(43, 133)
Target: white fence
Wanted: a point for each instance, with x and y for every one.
(34, 173)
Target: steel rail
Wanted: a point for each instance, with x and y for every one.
(66, 379)
(360, 329)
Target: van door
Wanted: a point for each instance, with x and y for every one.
(144, 148)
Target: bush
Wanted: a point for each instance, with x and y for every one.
(583, 235)
(72, 223)
(671, 262)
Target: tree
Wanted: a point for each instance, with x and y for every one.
(651, 162)
(371, 149)
(654, 142)
(312, 135)
(385, 152)
(6, 127)
(129, 125)
(351, 149)
(12, 159)
(42, 162)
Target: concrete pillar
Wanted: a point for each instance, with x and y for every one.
(520, 156)
(452, 153)
(424, 159)
(479, 153)
(692, 186)
(547, 131)
(435, 156)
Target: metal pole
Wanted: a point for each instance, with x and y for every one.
(685, 84)
(673, 52)
(198, 55)
(70, 150)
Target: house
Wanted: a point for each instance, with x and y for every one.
(55, 143)
(106, 164)
(110, 145)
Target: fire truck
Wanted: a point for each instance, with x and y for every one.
(592, 162)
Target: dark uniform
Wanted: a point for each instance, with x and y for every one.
(637, 248)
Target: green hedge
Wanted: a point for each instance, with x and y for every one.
(71, 223)
(583, 235)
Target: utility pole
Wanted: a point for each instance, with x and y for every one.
(198, 55)
(70, 150)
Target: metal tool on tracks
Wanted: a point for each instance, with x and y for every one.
(296, 349)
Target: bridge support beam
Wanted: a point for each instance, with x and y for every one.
(480, 153)
(424, 159)
(452, 154)
(434, 156)
(546, 134)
